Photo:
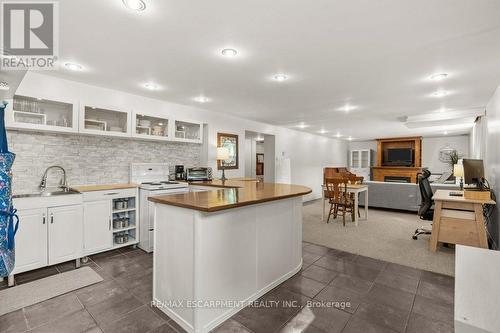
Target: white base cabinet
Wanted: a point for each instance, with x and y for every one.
(31, 240)
(50, 231)
(97, 234)
(65, 230)
(100, 210)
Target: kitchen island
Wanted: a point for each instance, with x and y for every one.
(217, 250)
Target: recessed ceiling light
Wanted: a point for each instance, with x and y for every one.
(280, 77)
(151, 86)
(349, 138)
(4, 85)
(438, 76)
(440, 93)
(73, 67)
(137, 5)
(322, 131)
(230, 53)
(445, 132)
(201, 99)
(347, 108)
(302, 125)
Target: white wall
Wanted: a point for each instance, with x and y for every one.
(430, 149)
(259, 147)
(269, 157)
(249, 158)
(308, 153)
(432, 145)
(492, 156)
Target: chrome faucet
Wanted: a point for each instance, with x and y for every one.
(63, 184)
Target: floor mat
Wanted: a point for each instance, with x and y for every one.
(30, 293)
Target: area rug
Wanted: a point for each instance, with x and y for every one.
(386, 235)
(30, 293)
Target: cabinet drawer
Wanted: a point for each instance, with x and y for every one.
(109, 194)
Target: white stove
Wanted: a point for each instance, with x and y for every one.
(151, 178)
(161, 185)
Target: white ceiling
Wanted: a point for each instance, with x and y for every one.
(377, 55)
(13, 79)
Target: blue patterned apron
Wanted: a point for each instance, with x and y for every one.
(9, 222)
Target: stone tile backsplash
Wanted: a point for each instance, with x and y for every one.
(89, 160)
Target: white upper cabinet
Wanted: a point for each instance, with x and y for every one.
(104, 120)
(361, 162)
(42, 113)
(150, 126)
(188, 131)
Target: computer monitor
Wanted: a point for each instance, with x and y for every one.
(473, 171)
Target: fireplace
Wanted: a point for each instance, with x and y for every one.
(397, 179)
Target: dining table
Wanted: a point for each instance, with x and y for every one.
(351, 188)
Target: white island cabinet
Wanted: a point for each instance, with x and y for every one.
(245, 244)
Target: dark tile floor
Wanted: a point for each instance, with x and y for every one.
(334, 292)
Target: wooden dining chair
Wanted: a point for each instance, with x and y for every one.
(339, 199)
(353, 179)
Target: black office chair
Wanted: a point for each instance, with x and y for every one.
(426, 211)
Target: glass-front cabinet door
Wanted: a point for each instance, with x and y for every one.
(100, 120)
(355, 158)
(150, 126)
(40, 113)
(188, 131)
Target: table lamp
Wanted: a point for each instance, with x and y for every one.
(222, 156)
(458, 171)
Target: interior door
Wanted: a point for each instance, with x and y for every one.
(97, 228)
(259, 170)
(31, 240)
(65, 233)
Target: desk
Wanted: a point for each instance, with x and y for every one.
(351, 188)
(476, 290)
(458, 220)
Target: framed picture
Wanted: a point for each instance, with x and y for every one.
(230, 141)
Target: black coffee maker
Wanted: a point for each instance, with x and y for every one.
(179, 172)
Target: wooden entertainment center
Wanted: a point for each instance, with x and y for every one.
(406, 172)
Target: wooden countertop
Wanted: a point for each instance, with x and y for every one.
(91, 188)
(444, 195)
(235, 193)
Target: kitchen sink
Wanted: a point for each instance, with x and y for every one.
(47, 193)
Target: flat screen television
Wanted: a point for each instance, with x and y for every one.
(399, 156)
